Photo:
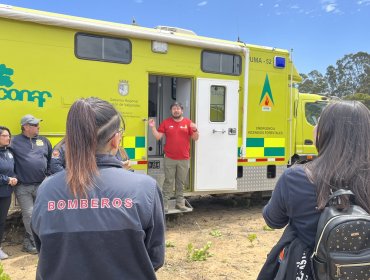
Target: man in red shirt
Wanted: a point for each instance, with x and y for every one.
(178, 131)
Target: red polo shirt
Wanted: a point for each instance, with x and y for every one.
(177, 138)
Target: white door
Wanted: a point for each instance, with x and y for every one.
(216, 151)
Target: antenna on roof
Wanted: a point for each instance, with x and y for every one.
(238, 29)
(133, 21)
(240, 41)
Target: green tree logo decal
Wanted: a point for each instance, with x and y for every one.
(5, 74)
(266, 96)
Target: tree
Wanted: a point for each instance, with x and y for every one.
(362, 97)
(331, 77)
(351, 75)
(314, 82)
(306, 85)
(365, 81)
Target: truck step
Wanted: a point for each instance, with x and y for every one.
(173, 210)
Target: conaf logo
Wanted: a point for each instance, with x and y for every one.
(266, 96)
(16, 94)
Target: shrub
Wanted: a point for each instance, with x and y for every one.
(215, 233)
(267, 228)
(251, 237)
(3, 275)
(170, 244)
(200, 254)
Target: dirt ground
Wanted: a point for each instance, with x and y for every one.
(229, 223)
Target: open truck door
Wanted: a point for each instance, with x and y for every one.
(217, 120)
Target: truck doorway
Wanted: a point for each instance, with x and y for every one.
(163, 91)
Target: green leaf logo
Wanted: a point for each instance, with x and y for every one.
(5, 74)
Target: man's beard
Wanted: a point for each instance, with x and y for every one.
(177, 117)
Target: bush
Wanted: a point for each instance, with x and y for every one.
(215, 233)
(199, 254)
(251, 237)
(3, 275)
(267, 228)
(170, 244)
(362, 97)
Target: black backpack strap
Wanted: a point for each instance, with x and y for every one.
(334, 196)
(340, 192)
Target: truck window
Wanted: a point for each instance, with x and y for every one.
(313, 111)
(221, 63)
(217, 104)
(101, 48)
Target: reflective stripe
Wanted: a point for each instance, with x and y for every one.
(260, 159)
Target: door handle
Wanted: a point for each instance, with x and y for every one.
(308, 142)
(232, 131)
(219, 131)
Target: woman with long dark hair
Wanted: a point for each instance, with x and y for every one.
(7, 181)
(343, 162)
(343, 143)
(96, 220)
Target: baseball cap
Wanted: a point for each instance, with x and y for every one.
(176, 104)
(29, 119)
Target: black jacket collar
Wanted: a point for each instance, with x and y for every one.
(106, 161)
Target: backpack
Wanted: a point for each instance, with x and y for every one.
(342, 244)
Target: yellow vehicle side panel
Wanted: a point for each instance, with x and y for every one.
(53, 67)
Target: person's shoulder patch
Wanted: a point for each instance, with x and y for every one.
(55, 154)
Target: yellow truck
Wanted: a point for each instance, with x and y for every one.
(239, 95)
(307, 110)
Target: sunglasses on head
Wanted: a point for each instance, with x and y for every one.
(34, 125)
(120, 131)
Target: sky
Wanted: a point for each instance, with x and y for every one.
(319, 32)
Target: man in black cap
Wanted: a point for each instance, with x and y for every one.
(178, 132)
(32, 155)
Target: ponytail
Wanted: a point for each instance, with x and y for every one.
(81, 144)
(91, 123)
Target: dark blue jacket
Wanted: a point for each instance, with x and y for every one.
(116, 233)
(289, 259)
(6, 171)
(58, 161)
(293, 201)
(32, 157)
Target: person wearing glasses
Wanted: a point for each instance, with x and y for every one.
(32, 154)
(94, 219)
(8, 181)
